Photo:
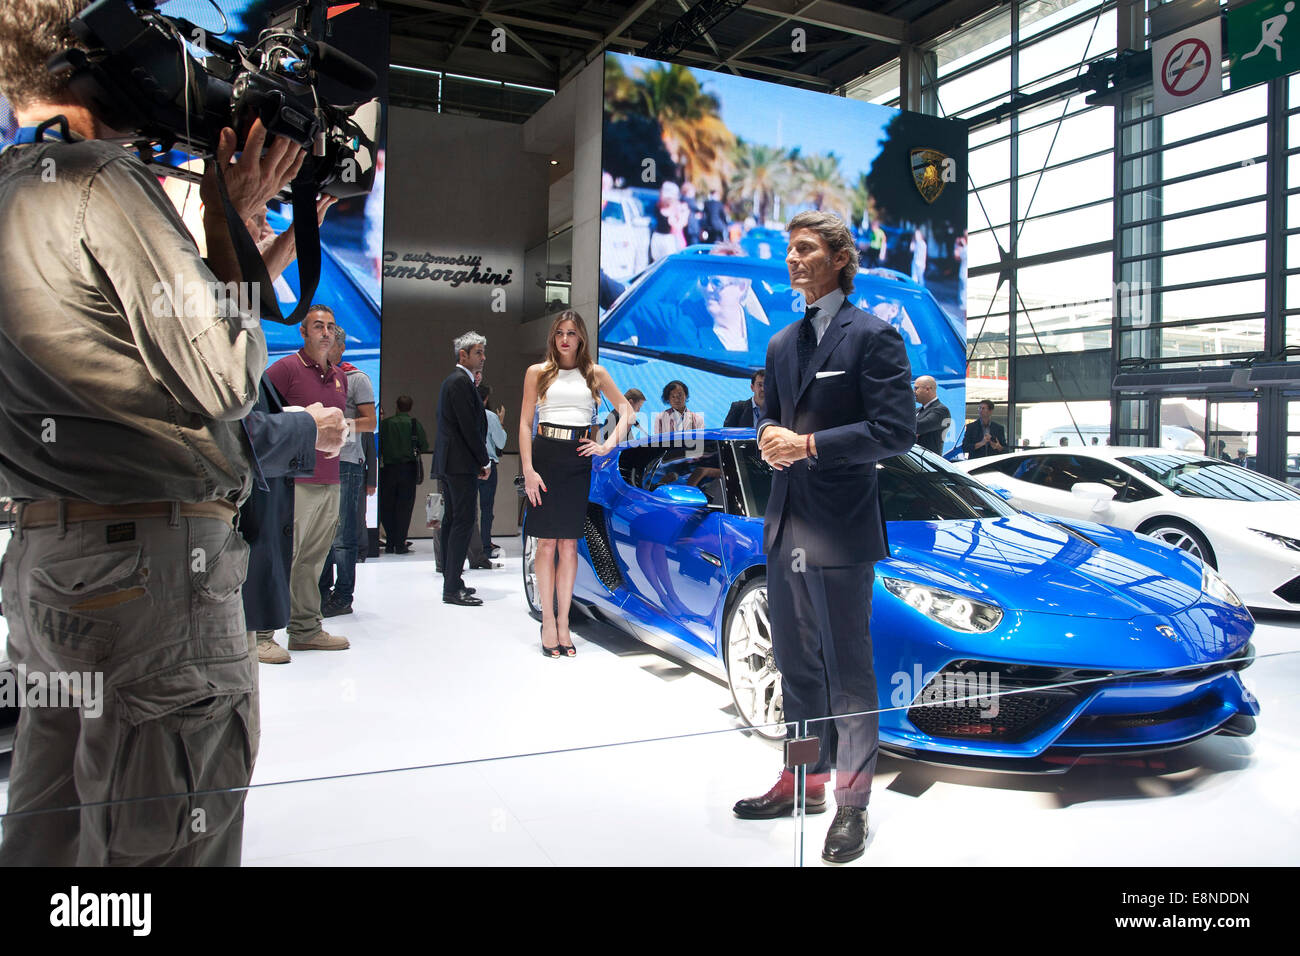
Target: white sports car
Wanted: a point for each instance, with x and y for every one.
(1242, 523)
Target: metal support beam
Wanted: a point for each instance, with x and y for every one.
(599, 46)
(834, 16)
(523, 44)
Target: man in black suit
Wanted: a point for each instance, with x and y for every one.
(933, 417)
(984, 436)
(715, 219)
(284, 448)
(460, 459)
(837, 400)
(747, 412)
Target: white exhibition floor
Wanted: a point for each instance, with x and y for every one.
(425, 683)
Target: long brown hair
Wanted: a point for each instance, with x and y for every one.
(552, 367)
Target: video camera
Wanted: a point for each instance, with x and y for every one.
(138, 76)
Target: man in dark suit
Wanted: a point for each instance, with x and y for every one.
(715, 219)
(933, 417)
(284, 448)
(747, 412)
(460, 459)
(837, 401)
(984, 436)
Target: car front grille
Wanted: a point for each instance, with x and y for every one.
(602, 558)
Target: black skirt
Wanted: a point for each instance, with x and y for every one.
(567, 476)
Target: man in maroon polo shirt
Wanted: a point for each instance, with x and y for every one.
(301, 379)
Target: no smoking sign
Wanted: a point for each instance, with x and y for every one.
(1188, 67)
(1185, 67)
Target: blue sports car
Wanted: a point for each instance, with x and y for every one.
(1083, 624)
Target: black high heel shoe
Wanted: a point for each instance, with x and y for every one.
(568, 650)
(552, 652)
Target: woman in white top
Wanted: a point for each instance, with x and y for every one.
(677, 417)
(556, 464)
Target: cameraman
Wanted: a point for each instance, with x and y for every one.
(124, 373)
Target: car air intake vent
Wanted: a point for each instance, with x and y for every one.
(1290, 592)
(602, 558)
(940, 711)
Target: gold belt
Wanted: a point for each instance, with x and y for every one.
(562, 432)
(39, 514)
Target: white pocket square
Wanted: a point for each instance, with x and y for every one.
(829, 374)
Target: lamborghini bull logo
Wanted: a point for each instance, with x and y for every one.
(929, 167)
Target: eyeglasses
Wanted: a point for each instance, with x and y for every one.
(723, 282)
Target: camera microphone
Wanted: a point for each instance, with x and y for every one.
(337, 65)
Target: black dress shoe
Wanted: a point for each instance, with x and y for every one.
(779, 801)
(331, 609)
(463, 598)
(847, 838)
(486, 566)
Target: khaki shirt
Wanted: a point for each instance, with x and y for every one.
(122, 378)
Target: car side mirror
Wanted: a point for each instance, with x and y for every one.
(687, 495)
(1099, 494)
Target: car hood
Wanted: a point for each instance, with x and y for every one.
(1025, 564)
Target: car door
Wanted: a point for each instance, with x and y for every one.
(671, 551)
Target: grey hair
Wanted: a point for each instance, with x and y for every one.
(466, 342)
(837, 237)
(340, 335)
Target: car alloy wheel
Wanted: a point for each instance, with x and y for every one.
(530, 576)
(1185, 538)
(751, 669)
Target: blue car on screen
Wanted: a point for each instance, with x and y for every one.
(706, 319)
(1002, 640)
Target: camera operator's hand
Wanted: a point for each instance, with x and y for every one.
(330, 428)
(255, 179)
(251, 183)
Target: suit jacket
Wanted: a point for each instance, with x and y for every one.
(931, 422)
(715, 220)
(740, 415)
(460, 447)
(856, 399)
(975, 431)
(284, 446)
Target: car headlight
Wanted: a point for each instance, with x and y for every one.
(956, 611)
(1283, 540)
(1216, 587)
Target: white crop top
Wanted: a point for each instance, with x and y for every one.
(568, 401)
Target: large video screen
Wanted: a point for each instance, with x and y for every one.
(701, 172)
(352, 234)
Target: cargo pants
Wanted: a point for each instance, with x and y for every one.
(152, 606)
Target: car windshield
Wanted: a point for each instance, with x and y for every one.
(1192, 476)
(728, 308)
(917, 486)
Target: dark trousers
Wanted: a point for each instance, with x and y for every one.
(821, 640)
(340, 570)
(457, 525)
(487, 496)
(396, 499)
